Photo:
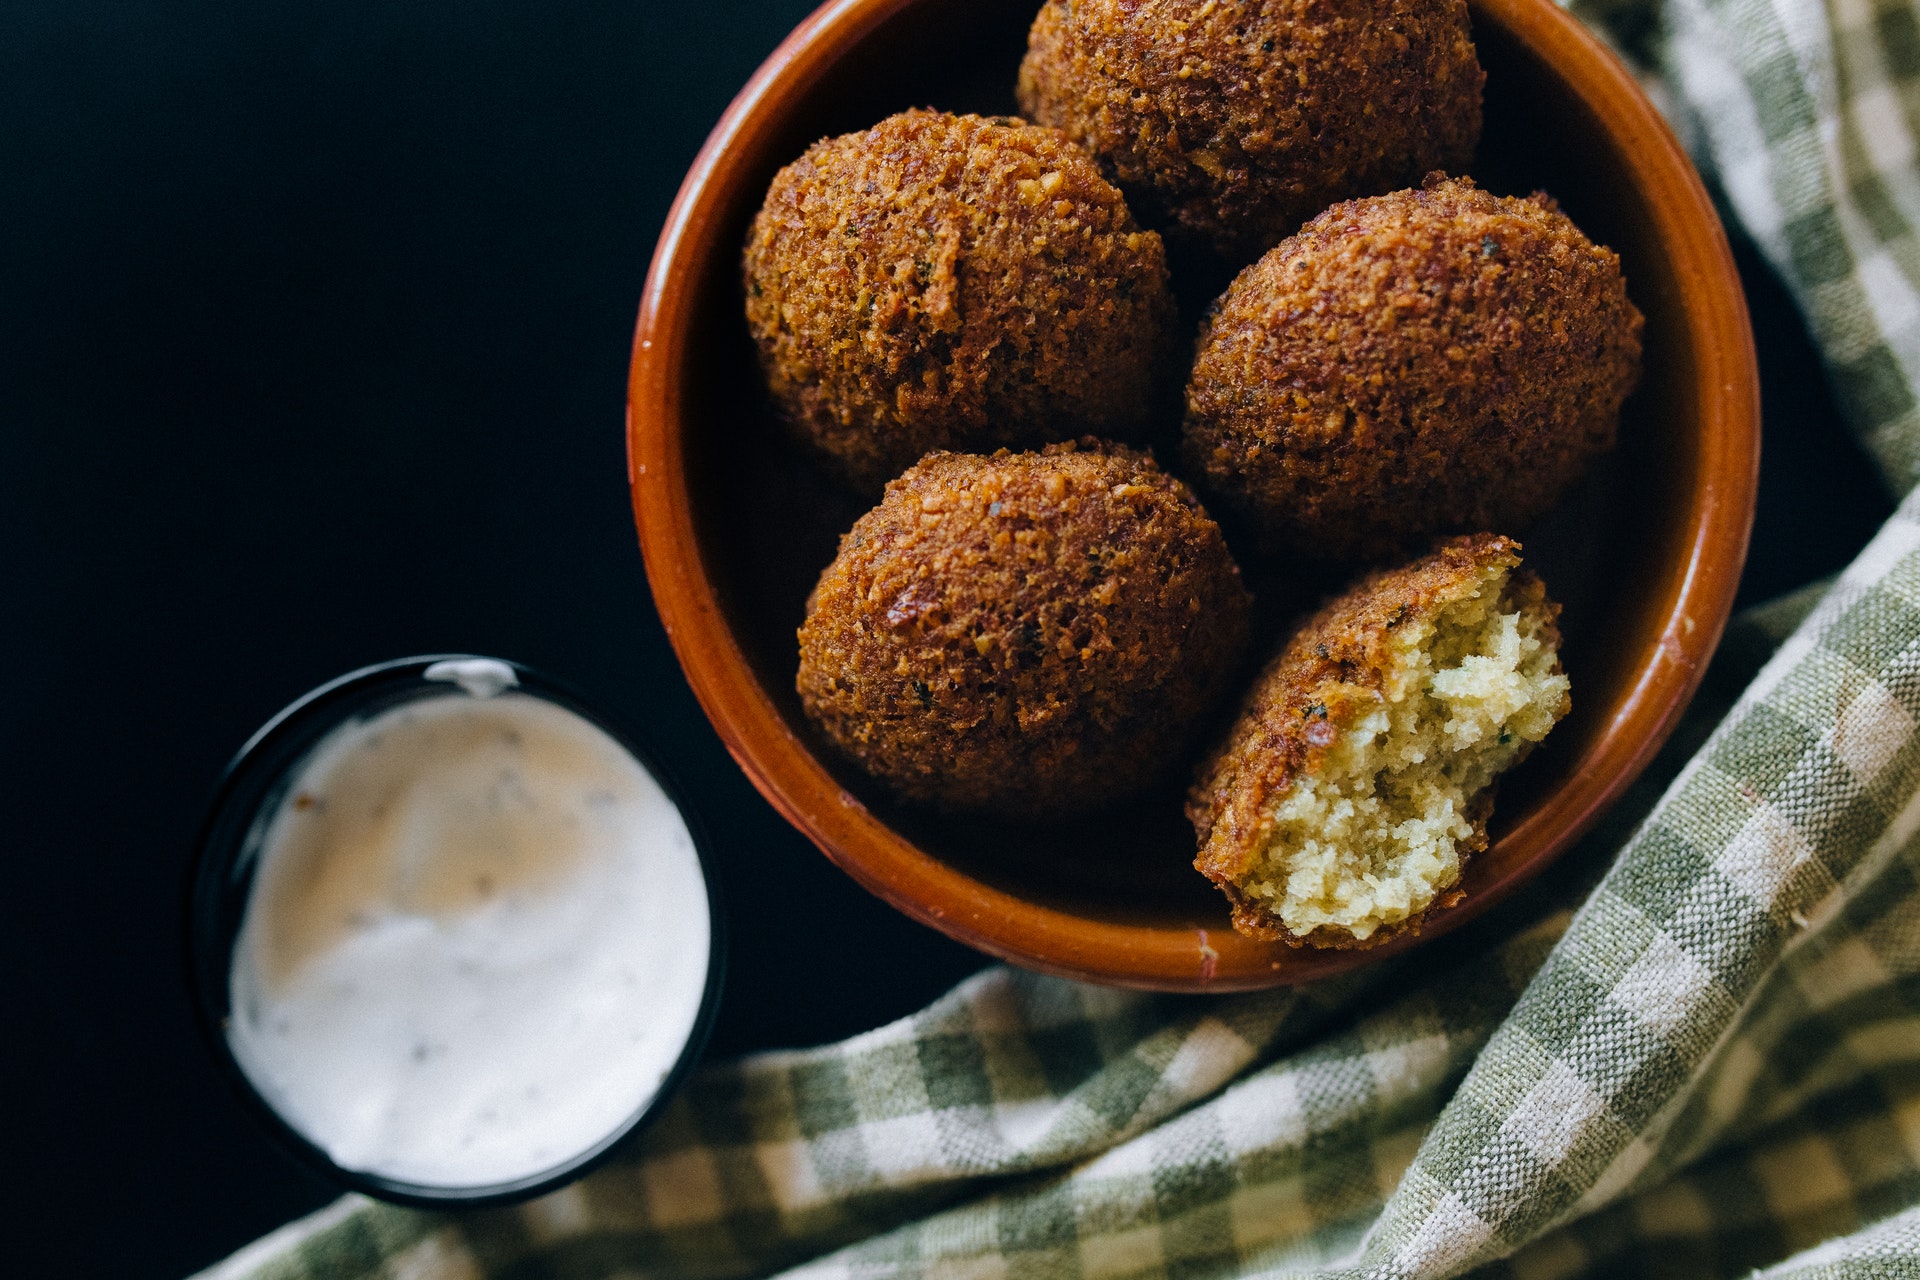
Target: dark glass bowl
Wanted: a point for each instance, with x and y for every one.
(228, 857)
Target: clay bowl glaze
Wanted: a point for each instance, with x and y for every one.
(736, 524)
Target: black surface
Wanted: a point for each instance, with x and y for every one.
(313, 336)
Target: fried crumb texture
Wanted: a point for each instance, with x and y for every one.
(1034, 634)
(1432, 361)
(1359, 777)
(1231, 122)
(953, 282)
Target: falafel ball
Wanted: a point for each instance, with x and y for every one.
(1032, 633)
(1234, 121)
(1359, 778)
(1431, 361)
(953, 282)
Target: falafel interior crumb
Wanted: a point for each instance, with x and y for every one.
(1373, 837)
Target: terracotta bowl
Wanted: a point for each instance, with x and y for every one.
(736, 524)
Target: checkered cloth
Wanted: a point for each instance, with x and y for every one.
(1711, 1066)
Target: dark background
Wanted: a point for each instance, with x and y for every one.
(314, 322)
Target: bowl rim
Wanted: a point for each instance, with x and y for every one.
(783, 767)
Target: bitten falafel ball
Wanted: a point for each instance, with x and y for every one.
(953, 282)
(1033, 634)
(1234, 121)
(1430, 361)
(1360, 775)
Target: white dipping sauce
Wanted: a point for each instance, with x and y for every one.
(477, 941)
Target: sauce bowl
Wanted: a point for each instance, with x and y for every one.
(237, 846)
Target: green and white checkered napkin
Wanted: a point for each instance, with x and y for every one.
(1712, 1066)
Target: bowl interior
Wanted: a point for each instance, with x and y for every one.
(1618, 553)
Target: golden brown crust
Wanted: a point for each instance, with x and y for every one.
(1037, 633)
(953, 282)
(1423, 362)
(1310, 693)
(1234, 121)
